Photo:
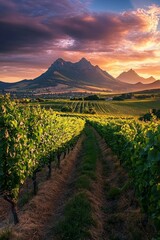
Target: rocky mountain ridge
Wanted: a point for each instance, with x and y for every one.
(79, 76)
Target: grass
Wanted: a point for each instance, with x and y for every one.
(115, 218)
(83, 182)
(89, 161)
(114, 193)
(78, 217)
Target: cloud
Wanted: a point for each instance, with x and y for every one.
(40, 8)
(24, 24)
(22, 36)
(42, 30)
(87, 31)
(108, 31)
(153, 69)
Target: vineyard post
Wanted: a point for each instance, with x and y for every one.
(65, 153)
(58, 158)
(68, 150)
(13, 209)
(34, 179)
(49, 168)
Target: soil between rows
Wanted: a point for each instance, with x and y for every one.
(40, 214)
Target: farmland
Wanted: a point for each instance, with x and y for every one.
(115, 108)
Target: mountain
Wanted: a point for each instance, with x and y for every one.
(132, 77)
(65, 76)
(79, 74)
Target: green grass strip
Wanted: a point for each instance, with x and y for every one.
(78, 218)
(87, 171)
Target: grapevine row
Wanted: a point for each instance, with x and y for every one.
(30, 138)
(137, 145)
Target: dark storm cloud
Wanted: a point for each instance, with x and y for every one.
(24, 24)
(98, 27)
(99, 32)
(21, 34)
(22, 37)
(46, 8)
(33, 26)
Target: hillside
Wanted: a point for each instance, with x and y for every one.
(64, 76)
(81, 75)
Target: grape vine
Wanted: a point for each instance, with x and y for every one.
(30, 138)
(137, 145)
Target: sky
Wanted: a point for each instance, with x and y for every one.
(116, 35)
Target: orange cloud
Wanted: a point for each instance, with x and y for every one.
(114, 41)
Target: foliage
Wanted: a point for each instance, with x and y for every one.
(89, 110)
(154, 113)
(78, 217)
(29, 139)
(66, 109)
(123, 97)
(138, 146)
(92, 97)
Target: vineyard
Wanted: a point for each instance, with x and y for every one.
(101, 177)
(137, 146)
(29, 140)
(114, 108)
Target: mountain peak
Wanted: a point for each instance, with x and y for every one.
(97, 67)
(151, 78)
(83, 60)
(59, 61)
(58, 64)
(131, 70)
(65, 76)
(132, 77)
(84, 63)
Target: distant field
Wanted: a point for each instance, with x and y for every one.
(115, 108)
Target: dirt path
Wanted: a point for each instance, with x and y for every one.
(45, 208)
(98, 201)
(64, 195)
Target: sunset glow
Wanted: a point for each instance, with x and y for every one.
(114, 35)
